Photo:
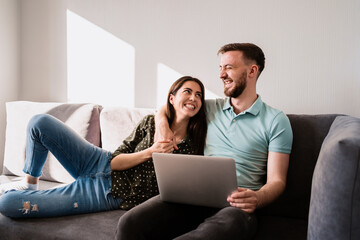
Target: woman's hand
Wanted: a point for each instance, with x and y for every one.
(128, 160)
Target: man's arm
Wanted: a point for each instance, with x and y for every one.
(162, 128)
(249, 200)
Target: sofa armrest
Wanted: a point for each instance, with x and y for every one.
(335, 195)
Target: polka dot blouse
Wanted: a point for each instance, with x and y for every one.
(137, 184)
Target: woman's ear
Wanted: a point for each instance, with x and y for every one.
(171, 99)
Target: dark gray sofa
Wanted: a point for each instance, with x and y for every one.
(287, 218)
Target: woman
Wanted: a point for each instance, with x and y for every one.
(104, 180)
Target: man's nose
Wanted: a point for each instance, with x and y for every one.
(222, 74)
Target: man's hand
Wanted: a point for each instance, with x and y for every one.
(249, 200)
(162, 147)
(245, 199)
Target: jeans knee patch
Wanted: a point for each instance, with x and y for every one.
(27, 207)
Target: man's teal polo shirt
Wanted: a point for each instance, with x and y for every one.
(247, 137)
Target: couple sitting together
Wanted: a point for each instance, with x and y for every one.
(241, 126)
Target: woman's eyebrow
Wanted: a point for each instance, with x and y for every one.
(189, 89)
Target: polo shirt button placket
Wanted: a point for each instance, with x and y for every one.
(230, 131)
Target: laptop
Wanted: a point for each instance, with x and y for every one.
(196, 180)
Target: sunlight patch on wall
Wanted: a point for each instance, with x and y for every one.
(165, 78)
(101, 67)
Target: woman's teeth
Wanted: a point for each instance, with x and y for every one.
(190, 106)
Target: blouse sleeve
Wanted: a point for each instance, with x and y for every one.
(130, 143)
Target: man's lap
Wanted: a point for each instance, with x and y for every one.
(155, 219)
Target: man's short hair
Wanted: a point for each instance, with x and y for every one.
(250, 51)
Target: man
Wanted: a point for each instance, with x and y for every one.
(241, 126)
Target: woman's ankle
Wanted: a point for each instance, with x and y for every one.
(31, 180)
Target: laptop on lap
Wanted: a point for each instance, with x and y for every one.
(194, 179)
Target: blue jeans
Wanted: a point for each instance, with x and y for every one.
(88, 164)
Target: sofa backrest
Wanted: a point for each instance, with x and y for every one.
(309, 132)
(117, 123)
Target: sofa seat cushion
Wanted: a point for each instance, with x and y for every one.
(83, 118)
(93, 226)
(335, 194)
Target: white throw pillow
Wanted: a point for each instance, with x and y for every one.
(117, 123)
(83, 118)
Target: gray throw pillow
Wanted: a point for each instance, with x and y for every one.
(335, 195)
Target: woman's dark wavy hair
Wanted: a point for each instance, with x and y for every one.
(197, 127)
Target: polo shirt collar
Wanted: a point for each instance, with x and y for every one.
(254, 109)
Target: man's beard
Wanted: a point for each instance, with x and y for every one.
(239, 87)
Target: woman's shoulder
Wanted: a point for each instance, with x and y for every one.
(148, 120)
(149, 117)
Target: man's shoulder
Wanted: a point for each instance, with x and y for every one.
(214, 106)
(215, 103)
(275, 118)
(272, 111)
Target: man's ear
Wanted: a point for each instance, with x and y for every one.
(254, 70)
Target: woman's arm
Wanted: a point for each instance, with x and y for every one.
(128, 160)
(126, 157)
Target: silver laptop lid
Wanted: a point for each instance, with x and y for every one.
(194, 179)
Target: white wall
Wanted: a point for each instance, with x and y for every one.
(9, 61)
(312, 47)
(43, 50)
